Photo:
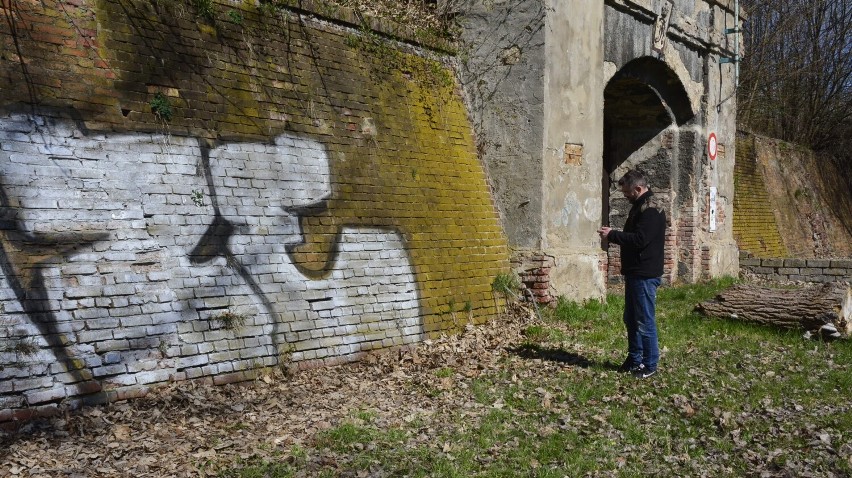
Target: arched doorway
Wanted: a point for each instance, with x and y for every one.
(645, 110)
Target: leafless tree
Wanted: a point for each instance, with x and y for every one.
(796, 82)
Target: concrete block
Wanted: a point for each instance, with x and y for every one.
(153, 376)
(161, 329)
(145, 342)
(125, 311)
(107, 323)
(109, 370)
(94, 335)
(136, 320)
(83, 292)
(122, 289)
(192, 361)
(157, 276)
(209, 369)
(122, 380)
(110, 345)
(110, 358)
(130, 332)
(35, 397)
(252, 353)
(142, 365)
(193, 373)
(818, 263)
(223, 356)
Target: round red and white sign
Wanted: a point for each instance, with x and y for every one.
(712, 146)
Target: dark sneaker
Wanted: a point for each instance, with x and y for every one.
(644, 372)
(629, 367)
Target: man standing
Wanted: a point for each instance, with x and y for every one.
(642, 243)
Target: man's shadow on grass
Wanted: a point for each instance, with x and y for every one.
(553, 354)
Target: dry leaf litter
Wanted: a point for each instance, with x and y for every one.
(191, 429)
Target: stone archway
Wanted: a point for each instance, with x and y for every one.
(645, 108)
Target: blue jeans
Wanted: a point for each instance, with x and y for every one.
(640, 301)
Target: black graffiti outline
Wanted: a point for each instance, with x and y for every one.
(32, 294)
(28, 283)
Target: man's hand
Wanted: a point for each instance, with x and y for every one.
(604, 231)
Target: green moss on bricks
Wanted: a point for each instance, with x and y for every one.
(755, 228)
(402, 155)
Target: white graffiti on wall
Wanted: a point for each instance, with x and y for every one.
(147, 255)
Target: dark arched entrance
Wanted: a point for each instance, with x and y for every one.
(645, 106)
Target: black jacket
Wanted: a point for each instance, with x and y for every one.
(643, 239)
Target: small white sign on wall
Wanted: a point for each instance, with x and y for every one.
(713, 209)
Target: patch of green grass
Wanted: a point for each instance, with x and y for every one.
(542, 333)
(365, 415)
(204, 8)
(235, 16)
(587, 312)
(342, 437)
(287, 467)
(731, 399)
(444, 372)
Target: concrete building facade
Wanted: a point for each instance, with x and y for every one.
(568, 95)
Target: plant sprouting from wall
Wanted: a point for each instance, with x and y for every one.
(285, 359)
(18, 345)
(229, 320)
(22, 347)
(506, 284)
(236, 17)
(204, 8)
(197, 197)
(161, 107)
(26, 347)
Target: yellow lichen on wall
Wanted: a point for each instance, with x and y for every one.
(402, 155)
(755, 228)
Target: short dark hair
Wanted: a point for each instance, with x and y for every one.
(633, 178)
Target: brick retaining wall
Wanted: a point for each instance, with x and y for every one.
(190, 197)
(804, 270)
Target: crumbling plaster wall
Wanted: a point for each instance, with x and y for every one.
(501, 65)
(573, 147)
(584, 45)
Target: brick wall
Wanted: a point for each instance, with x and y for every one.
(797, 270)
(755, 227)
(191, 197)
(533, 269)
